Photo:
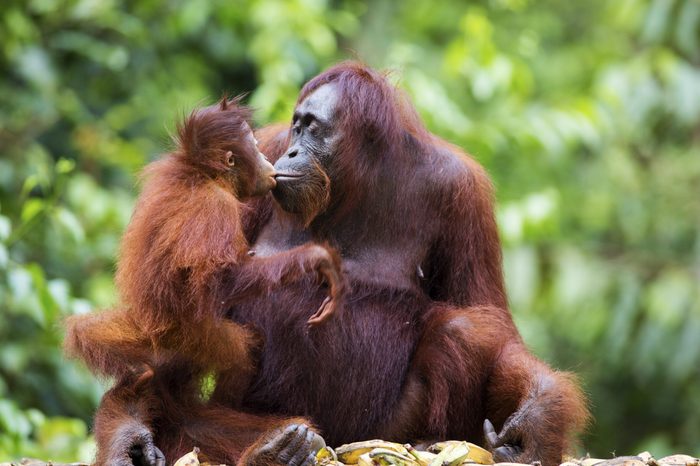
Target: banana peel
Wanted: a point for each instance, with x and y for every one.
(385, 457)
(423, 458)
(455, 453)
(190, 459)
(326, 456)
(452, 454)
(350, 453)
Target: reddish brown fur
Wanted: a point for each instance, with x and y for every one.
(401, 200)
(425, 348)
(184, 240)
(164, 406)
(185, 229)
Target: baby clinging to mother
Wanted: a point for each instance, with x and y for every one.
(422, 345)
(185, 244)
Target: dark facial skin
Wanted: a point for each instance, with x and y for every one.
(301, 177)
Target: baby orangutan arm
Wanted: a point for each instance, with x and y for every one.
(259, 274)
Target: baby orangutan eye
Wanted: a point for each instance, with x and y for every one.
(229, 159)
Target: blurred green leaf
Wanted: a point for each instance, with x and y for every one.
(585, 114)
(5, 228)
(32, 208)
(70, 223)
(12, 420)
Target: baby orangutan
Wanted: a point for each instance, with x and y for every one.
(184, 257)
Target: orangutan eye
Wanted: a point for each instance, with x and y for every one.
(308, 119)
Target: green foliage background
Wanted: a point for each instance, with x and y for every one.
(585, 112)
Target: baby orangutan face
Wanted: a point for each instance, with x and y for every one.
(252, 174)
(218, 143)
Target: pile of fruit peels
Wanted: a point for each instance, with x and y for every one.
(450, 453)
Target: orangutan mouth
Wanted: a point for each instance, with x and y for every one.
(283, 175)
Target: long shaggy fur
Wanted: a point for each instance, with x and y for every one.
(185, 230)
(183, 261)
(425, 347)
(423, 337)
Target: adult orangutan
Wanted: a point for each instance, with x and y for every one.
(424, 347)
